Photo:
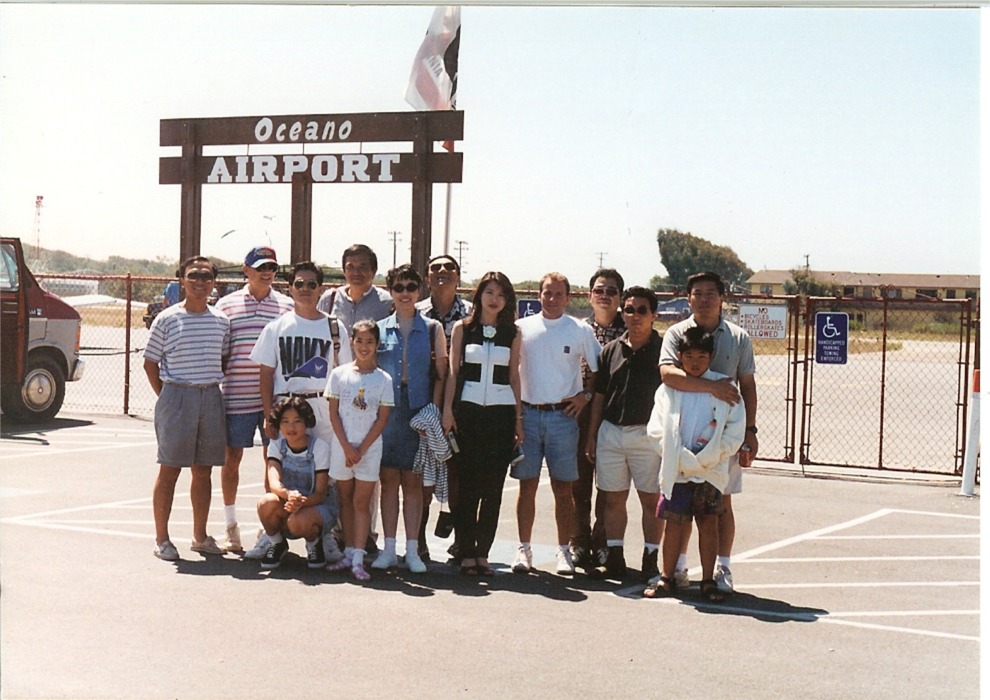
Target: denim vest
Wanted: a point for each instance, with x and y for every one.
(418, 356)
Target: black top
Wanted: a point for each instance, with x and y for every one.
(628, 380)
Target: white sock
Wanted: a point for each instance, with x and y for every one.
(390, 545)
(651, 548)
(356, 557)
(614, 543)
(276, 538)
(681, 561)
(230, 515)
(524, 545)
(723, 561)
(412, 547)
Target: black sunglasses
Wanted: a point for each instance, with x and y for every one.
(309, 284)
(607, 291)
(638, 310)
(408, 287)
(199, 276)
(448, 266)
(267, 267)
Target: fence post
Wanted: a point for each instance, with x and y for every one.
(127, 348)
(972, 440)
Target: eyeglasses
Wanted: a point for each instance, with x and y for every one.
(448, 266)
(606, 291)
(409, 287)
(309, 284)
(199, 276)
(638, 310)
(267, 267)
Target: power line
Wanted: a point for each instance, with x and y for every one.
(601, 258)
(461, 247)
(394, 235)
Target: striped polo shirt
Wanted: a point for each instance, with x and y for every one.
(248, 316)
(189, 347)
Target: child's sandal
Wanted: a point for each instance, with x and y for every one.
(710, 591)
(664, 587)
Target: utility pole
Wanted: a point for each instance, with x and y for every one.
(37, 225)
(461, 247)
(394, 235)
(601, 258)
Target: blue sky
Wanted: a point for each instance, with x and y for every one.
(848, 135)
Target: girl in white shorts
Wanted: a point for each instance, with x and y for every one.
(361, 397)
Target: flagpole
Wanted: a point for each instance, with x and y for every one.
(446, 224)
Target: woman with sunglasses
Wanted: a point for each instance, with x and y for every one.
(413, 352)
(482, 402)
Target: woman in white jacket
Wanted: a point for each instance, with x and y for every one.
(696, 435)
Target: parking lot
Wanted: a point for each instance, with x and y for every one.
(846, 587)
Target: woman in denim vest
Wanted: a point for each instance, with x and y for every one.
(405, 352)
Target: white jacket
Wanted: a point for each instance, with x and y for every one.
(678, 463)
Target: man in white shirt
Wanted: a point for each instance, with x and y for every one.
(553, 345)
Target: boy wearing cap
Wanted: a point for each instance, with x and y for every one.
(249, 309)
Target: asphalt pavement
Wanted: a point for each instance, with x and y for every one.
(848, 586)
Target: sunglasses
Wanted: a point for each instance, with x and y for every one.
(638, 310)
(309, 284)
(448, 266)
(607, 291)
(267, 267)
(199, 276)
(409, 287)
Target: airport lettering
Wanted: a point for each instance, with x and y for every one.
(346, 167)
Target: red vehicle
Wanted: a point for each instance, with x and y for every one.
(39, 339)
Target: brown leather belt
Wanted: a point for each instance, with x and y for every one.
(546, 406)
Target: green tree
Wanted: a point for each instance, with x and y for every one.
(684, 254)
(803, 282)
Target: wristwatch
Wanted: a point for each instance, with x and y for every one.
(588, 396)
(752, 429)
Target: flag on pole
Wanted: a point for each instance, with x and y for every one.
(433, 81)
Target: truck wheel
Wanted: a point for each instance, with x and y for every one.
(40, 395)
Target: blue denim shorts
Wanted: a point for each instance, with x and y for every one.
(550, 435)
(242, 426)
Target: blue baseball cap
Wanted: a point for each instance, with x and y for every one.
(260, 255)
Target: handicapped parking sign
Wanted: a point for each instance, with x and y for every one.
(831, 337)
(529, 307)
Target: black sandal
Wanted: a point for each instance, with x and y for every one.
(664, 587)
(710, 591)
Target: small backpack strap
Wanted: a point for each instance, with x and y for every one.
(334, 336)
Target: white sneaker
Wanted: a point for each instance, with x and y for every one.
(260, 547)
(723, 579)
(166, 551)
(681, 578)
(385, 560)
(565, 565)
(331, 550)
(233, 542)
(524, 560)
(414, 563)
(207, 546)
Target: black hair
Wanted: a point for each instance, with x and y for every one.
(708, 276)
(180, 272)
(607, 273)
(360, 249)
(641, 293)
(404, 271)
(293, 403)
(307, 265)
(507, 316)
(366, 324)
(697, 338)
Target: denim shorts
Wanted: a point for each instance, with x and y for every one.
(400, 442)
(242, 426)
(552, 435)
(689, 500)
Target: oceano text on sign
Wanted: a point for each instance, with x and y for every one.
(265, 129)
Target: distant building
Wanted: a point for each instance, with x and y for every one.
(893, 285)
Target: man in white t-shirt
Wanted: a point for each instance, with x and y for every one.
(552, 347)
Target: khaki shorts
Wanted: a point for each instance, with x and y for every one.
(190, 425)
(626, 454)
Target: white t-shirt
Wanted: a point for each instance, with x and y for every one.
(550, 357)
(301, 351)
(360, 394)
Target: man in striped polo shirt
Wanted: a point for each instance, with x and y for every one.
(249, 309)
(184, 361)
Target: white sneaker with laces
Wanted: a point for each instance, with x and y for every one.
(414, 563)
(565, 565)
(260, 547)
(723, 579)
(681, 578)
(331, 550)
(166, 551)
(524, 560)
(385, 560)
(233, 542)
(207, 546)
